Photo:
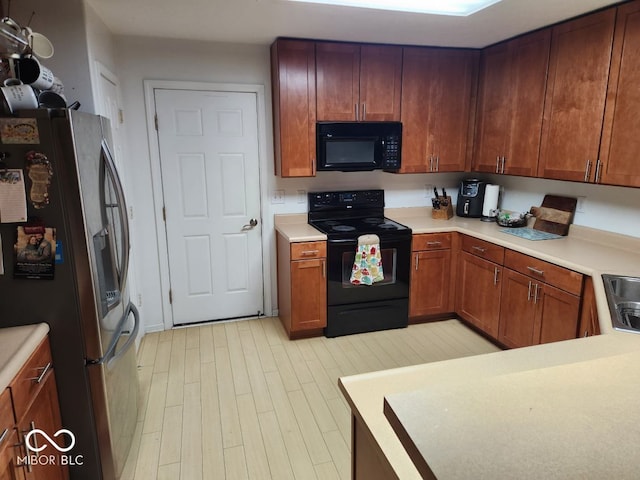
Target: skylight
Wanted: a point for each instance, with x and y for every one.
(461, 8)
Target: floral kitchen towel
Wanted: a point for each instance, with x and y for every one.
(367, 267)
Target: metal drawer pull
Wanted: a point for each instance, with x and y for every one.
(479, 249)
(434, 244)
(308, 253)
(4, 435)
(39, 378)
(536, 271)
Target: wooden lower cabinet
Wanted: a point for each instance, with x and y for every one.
(431, 287)
(479, 292)
(589, 324)
(302, 287)
(31, 402)
(532, 312)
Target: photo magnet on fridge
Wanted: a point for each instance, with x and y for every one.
(35, 251)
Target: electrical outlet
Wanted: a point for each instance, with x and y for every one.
(428, 190)
(277, 196)
(582, 200)
(302, 196)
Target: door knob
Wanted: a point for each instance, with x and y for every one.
(252, 223)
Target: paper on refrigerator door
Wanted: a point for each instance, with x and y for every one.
(13, 200)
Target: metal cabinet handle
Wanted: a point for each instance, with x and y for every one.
(355, 110)
(535, 293)
(309, 253)
(598, 171)
(479, 249)
(417, 260)
(503, 162)
(434, 244)
(587, 170)
(364, 111)
(496, 271)
(529, 292)
(497, 163)
(252, 223)
(536, 271)
(324, 268)
(40, 377)
(431, 163)
(4, 435)
(437, 163)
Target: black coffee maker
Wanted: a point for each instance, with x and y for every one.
(471, 198)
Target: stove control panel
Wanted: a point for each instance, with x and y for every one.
(346, 200)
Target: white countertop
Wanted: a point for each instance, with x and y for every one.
(16, 346)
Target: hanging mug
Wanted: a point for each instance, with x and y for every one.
(33, 73)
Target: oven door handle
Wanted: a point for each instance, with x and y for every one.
(346, 241)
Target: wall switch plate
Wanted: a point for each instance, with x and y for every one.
(277, 196)
(302, 196)
(582, 200)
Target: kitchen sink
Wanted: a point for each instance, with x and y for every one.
(623, 295)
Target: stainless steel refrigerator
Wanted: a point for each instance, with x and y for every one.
(82, 294)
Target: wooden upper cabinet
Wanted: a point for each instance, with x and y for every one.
(513, 79)
(294, 107)
(437, 89)
(620, 149)
(358, 82)
(575, 98)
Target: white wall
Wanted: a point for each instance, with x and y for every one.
(142, 59)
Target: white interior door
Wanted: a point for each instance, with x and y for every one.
(209, 162)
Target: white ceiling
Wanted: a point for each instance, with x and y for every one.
(261, 21)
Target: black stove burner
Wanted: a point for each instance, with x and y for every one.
(343, 228)
(332, 222)
(374, 220)
(387, 226)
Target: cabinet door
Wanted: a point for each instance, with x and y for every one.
(557, 314)
(575, 98)
(380, 82)
(44, 414)
(430, 274)
(620, 148)
(479, 292)
(338, 81)
(294, 107)
(517, 310)
(308, 294)
(529, 58)
(9, 452)
(494, 107)
(436, 103)
(589, 323)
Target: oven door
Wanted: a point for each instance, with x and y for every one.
(396, 260)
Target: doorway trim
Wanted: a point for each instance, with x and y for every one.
(154, 155)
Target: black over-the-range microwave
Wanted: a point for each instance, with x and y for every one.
(358, 146)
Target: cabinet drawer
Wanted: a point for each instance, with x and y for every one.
(559, 277)
(29, 380)
(6, 417)
(431, 241)
(480, 248)
(306, 250)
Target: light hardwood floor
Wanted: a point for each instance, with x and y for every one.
(238, 400)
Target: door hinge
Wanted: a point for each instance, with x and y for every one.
(171, 296)
(164, 214)
(155, 121)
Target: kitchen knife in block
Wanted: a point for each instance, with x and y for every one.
(555, 214)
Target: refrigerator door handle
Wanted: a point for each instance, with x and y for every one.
(111, 355)
(122, 207)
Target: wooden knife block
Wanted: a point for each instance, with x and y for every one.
(444, 213)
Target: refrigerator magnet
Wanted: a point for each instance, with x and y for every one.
(35, 251)
(19, 131)
(39, 171)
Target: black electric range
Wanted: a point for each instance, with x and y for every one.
(344, 216)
